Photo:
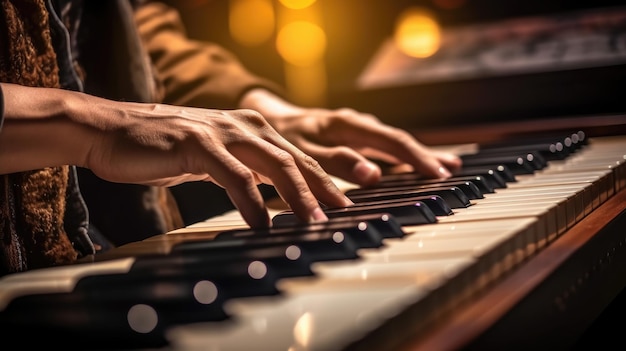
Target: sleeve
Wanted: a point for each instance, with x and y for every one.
(193, 73)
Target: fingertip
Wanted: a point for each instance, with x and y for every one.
(444, 172)
(450, 160)
(259, 222)
(318, 215)
(366, 172)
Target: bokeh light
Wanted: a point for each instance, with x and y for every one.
(301, 43)
(251, 22)
(297, 4)
(417, 33)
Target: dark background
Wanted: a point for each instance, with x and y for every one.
(355, 30)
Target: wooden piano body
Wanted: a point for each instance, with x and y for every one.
(544, 298)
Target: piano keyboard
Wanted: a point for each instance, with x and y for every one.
(413, 252)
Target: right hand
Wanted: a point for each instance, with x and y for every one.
(163, 145)
(166, 145)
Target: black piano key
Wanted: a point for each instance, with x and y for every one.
(436, 203)
(517, 164)
(579, 138)
(234, 277)
(365, 235)
(570, 142)
(484, 187)
(500, 169)
(452, 195)
(58, 318)
(321, 246)
(289, 260)
(118, 306)
(468, 186)
(548, 150)
(489, 175)
(481, 183)
(386, 223)
(532, 156)
(406, 213)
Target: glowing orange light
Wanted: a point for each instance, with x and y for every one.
(251, 21)
(297, 4)
(417, 33)
(301, 43)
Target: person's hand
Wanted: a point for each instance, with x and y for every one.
(165, 145)
(345, 141)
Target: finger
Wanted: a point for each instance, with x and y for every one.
(451, 161)
(280, 167)
(241, 186)
(344, 163)
(316, 177)
(399, 144)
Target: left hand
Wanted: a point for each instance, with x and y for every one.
(345, 141)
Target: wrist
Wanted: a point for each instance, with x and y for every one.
(268, 104)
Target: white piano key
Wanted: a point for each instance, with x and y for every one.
(56, 279)
(305, 320)
(344, 301)
(468, 235)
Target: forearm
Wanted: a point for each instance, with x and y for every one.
(41, 128)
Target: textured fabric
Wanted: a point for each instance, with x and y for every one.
(32, 204)
(97, 47)
(1, 109)
(193, 73)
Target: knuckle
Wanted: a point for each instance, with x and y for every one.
(242, 177)
(311, 163)
(284, 157)
(346, 111)
(255, 118)
(342, 152)
(402, 136)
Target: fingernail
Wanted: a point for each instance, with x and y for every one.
(444, 172)
(318, 215)
(366, 172)
(349, 201)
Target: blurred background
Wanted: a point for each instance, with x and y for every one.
(336, 53)
(427, 65)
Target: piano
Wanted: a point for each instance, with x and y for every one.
(523, 248)
(528, 262)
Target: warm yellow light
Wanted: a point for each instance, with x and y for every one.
(306, 85)
(297, 4)
(303, 329)
(251, 22)
(417, 33)
(301, 43)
